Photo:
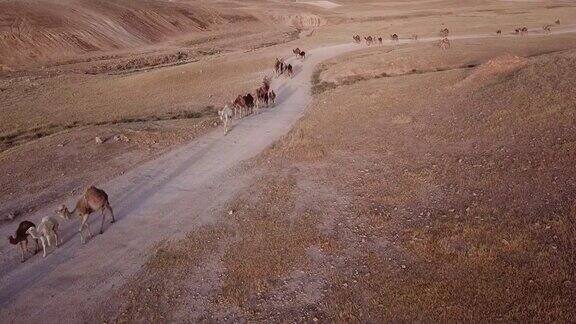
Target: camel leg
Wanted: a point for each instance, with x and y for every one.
(88, 229)
(25, 245)
(85, 224)
(103, 218)
(111, 212)
(22, 251)
(37, 246)
(81, 229)
(48, 240)
(42, 239)
(57, 238)
(106, 208)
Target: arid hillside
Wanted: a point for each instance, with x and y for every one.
(34, 32)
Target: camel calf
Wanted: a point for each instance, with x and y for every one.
(93, 200)
(46, 232)
(226, 118)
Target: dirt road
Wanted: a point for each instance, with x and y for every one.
(163, 199)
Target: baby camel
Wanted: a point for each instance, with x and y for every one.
(93, 200)
(22, 238)
(46, 232)
(226, 116)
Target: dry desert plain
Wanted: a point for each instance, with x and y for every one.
(397, 182)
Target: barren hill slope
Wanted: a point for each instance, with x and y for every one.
(38, 30)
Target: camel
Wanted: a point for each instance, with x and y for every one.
(394, 37)
(226, 117)
(415, 37)
(262, 93)
(279, 66)
(297, 51)
(444, 32)
(266, 81)
(261, 97)
(357, 39)
(444, 43)
(93, 200)
(239, 106)
(499, 32)
(249, 100)
(380, 40)
(523, 31)
(368, 40)
(289, 70)
(22, 238)
(547, 29)
(45, 232)
(272, 97)
(557, 21)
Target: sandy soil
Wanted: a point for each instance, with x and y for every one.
(342, 218)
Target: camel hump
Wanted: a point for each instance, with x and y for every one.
(95, 197)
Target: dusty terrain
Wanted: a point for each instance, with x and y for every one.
(420, 185)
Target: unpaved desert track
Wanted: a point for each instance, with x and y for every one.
(163, 199)
(160, 200)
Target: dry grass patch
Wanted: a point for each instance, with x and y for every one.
(272, 240)
(166, 282)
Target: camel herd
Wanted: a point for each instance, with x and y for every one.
(94, 199)
(443, 42)
(524, 30)
(46, 232)
(373, 39)
(247, 104)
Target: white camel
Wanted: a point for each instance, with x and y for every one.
(226, 116)
(46, 232)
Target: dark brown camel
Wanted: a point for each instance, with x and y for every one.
(240, 107)
(289, 70)
(296, 51)
(279, 66)
(249, 100)
(272, 97)
(444, 32)
(22, 238)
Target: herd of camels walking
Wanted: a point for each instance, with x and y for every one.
(264, 96)
(93, 200)
(96, 200)
(444, 42)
